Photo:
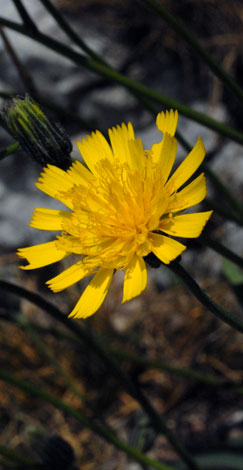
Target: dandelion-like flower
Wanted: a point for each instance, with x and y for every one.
(122, 206)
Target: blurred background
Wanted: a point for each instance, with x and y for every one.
(165, 322)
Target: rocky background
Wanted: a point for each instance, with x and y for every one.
(165, 322)
(138, 43)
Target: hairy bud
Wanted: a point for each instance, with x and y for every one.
(42, 138)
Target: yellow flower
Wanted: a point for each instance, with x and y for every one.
(123, 206)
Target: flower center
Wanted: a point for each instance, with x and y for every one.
(116, 213)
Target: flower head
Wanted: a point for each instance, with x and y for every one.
(122, 206)
(43, 139)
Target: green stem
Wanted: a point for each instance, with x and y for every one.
(157, 421)
(47, 103)
(9, 466)
(69, 31)
(183, 141)
(151, 363)
(129, 83)
(16, 457)
(65, 407)
(12, 148)
(65, 113)
(217, 182)
(7, 94)
(221, 210)
(28, 22)
(88, 126)
(224, 189)
(213, 177)
(26, 326)
(203, 297)
(22, 70)
(197, 47)
(42, 347)
(222, 250)
(182, 372)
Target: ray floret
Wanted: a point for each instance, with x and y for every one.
(123, 204)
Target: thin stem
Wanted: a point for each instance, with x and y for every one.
(224, 189)
(222, 250)
(18, 458)
(157, 421)
(129, 83)
(88, 126)
(60, 110)
(197, 47)
(26, 326)
(182, 372)
(43, 349)
(221, 210)
(7, 94)
(23, 72)
(70, 31)
(213, 177)
(183, 141)
(150, 363)
(218, 183)
(27, 20)
(9, 466)
(213, 244)
(65, 113)
(62, 405)
(204, 298)
(12, 148)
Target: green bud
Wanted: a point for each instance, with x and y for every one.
(42, 138)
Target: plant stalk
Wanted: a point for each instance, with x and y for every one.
(66, 408)
(195, 45)
(204, 298)
(157, 420)
(129, 83)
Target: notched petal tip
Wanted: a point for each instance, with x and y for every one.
(167, 121)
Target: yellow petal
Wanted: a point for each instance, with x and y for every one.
(68, 277)
(192, 194)
(187, 167)
(167, 122)
(41, 255)
(80, 174)
(163, 155)
(94, 294)
(93, 149)
(167, 156)
(120, 137)
(186, 225)
(135, 279)
(136, 154)
(49, 219)
(165, 248)
(54, 182)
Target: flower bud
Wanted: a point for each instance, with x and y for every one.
(42, 138)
